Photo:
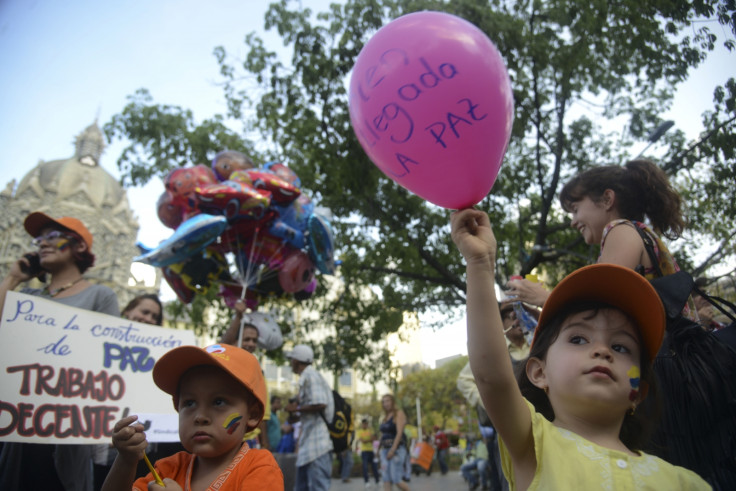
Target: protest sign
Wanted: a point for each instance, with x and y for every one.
(67, 374)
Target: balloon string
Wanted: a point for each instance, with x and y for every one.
(254, 274)
(275, 253)
(239, 263)
(250, 269)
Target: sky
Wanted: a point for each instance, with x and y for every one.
(67, 64)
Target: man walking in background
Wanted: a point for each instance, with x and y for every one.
(313, 459)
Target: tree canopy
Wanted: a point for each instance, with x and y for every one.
(580, 71)
(437, 391)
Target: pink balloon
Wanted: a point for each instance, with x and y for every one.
(431, 104)
(297, 272)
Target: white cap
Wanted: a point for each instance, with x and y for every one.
(302, 353)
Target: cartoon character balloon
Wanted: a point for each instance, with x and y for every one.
(182, 183)
(296, 273)
(228, 161)
(431, 104)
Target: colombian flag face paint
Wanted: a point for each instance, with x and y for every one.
(62, 244)
(634, 375)
(232, 422)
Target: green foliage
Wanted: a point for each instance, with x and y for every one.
(575, 68)
(205, 311)
(437, 391)
(368, 406)
(163, 137)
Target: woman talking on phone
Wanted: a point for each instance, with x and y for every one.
(63, 253)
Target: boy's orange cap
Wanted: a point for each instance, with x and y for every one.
(236, 361)
(617, 286)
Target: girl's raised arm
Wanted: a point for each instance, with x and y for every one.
(487, 350)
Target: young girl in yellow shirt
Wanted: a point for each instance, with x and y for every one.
(574, 423)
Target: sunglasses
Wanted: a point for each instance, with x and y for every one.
(50, 238)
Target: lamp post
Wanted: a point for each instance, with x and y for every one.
(656, 134)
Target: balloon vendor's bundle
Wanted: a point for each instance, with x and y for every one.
(252, 232)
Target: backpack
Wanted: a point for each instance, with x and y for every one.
(696, 374)
(342, 426)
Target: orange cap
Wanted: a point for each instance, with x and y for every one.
(617, 286)
(37, 221)
(237, 362)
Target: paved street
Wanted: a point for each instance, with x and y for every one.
(452, 481)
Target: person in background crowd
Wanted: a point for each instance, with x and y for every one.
(313, 461)
(273, 425)
(393, 444)
(475, 470)
(346, 464)
(364, 444)
(63, 253)
(515, 338)
(467, 387)
(442, 446)
(289, 431)
(145, 308)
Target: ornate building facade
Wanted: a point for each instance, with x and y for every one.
(80, 188)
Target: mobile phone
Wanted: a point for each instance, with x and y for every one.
(33, 268)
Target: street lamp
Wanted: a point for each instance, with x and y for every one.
(655, 135)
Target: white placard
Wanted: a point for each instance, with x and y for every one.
(67, 375)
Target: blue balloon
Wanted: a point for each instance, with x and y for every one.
(320, 243)
(288, 227)
(190, 237)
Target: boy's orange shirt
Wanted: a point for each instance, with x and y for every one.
(250, 469)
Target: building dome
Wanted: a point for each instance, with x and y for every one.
(76, 187)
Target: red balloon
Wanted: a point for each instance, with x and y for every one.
(281, 191)
(182, 182)
(235, 200)
(169, 213)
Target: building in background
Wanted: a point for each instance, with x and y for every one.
(77, 186)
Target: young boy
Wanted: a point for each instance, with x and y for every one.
(219, 393)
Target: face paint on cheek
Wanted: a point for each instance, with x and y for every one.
(232, 422)
(634, 375)
(62, 244)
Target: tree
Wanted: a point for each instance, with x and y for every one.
(437, 390)
(575, 68)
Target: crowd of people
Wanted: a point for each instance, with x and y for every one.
(569, 405)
